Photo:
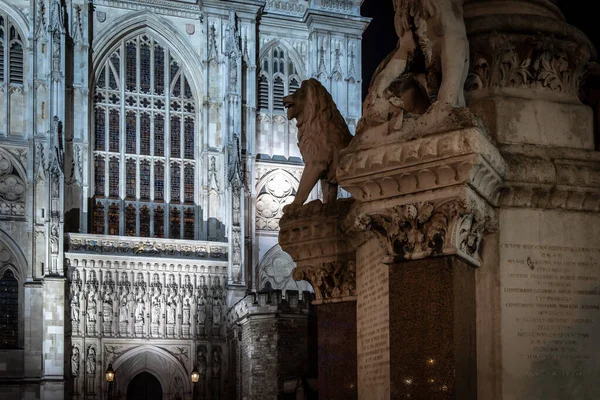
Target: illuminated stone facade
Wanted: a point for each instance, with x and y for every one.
(145, 158)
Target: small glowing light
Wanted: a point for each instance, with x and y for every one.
(408, 381)
(195, 375)
(110, 373)
(444, 388)
(431, 380)
(431, 361)
(352, 386)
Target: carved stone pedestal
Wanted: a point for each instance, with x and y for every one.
(321, 244)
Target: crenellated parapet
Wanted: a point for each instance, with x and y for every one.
(271, 302)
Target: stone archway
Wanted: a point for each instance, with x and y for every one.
(144, 386)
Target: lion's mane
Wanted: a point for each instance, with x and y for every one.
(322, 131)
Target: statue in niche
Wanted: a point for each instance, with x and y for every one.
(90, 362)
(140, 299)
(171, 305)
(216, 362)
(124, 304)
(430, 61)
(75, 299)
(202, 361)
(75, 360)
(201, 307)
(92, 298)
(107, 304)
(216, 311)
(156, 305)
(187, 306)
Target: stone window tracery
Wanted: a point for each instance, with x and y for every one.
(11, 52)
(274, 83)
(278, 190)
(145, 127)
(9, 317)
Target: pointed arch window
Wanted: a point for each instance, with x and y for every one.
(145, 126)
(275, 82)
(9, 304)
(11, 52)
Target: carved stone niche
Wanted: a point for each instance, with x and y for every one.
(421, 229)
(320, 240)
(527, 64)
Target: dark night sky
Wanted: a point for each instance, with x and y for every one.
(380, 37)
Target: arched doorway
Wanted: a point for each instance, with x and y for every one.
(144, 386)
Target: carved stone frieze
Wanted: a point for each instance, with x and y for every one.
(400, 168)
(320, 242)
(527, 61)
(80, 243)
(426, 229)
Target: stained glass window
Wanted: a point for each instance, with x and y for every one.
(99, 218)
(158, 103)
(159, 69)
(9, 317)
(175, 137)
(131, 132)
(175, 227)
(113, 177)
(130, 179)
(189, 138)
(145, 180)
(130, 223)
(188, 224)
(175, 182)
(113, 219)
(159, 181)
(100, 129)
(145, 221)
(145, 134)
(159, 135)
(99, 175)
(188, 181)
(159, 222)
(113, 127)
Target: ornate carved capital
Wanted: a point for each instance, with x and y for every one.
(426, 229)
(535, 61)
(319, 240)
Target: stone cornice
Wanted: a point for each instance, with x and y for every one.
(146, 247)
(551, 178)
(432, 162)
(156, 6)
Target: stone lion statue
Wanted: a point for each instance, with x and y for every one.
(430, 62)
(322, 134)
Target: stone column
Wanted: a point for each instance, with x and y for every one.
(316, 237)
(537, 339)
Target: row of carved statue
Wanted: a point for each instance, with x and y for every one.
(146, 307)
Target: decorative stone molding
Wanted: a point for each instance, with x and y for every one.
(527, 61)
(567, 179)
(316, 237)
(433, 162)
(426, 229)
(12, 185)
(154, 247)
(285, 7)
(178, 9)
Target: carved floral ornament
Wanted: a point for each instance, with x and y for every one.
(12, 186)
(421, 230)
(532, 62)
(330, 280)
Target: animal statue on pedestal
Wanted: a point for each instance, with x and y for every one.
(430, 62)
(322, 134)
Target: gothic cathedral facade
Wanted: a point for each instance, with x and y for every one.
(145, 158)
